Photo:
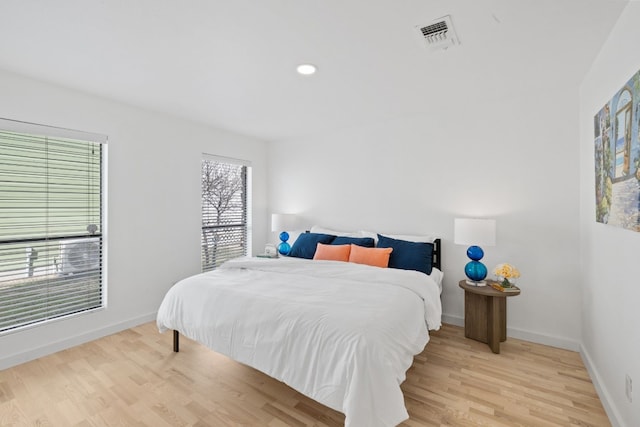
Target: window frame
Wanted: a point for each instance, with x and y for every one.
(46, 131)
(247, 208)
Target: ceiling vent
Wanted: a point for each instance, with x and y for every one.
(439, 34)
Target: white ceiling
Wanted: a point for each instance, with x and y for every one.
(231, 63)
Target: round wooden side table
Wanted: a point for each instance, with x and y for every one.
(485, 314)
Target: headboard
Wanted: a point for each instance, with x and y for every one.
(437, 254)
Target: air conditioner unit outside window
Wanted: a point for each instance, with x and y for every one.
(78, 255)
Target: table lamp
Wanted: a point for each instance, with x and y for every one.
(475, 232)
(282, 223)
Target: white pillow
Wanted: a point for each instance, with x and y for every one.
(411, 238)
(322, 230)
(407, 237)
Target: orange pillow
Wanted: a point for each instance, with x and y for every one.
(377, 257)
(332, 252)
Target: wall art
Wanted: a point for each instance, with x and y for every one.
(617, 158)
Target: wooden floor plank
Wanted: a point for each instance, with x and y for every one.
(134, 379)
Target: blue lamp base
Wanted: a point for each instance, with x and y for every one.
(284, 247)
(475, 270)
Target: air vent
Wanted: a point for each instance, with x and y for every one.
(439, 34)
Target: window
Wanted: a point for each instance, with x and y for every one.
(623, 126)
(51, 223)
(225, 212)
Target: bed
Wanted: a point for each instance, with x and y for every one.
(342, 333)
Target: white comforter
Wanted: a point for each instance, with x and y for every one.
(343, 334)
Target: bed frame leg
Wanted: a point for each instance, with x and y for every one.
(176, 341)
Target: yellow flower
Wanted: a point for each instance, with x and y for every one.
(506, 271)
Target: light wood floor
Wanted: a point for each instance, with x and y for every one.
(134, 379)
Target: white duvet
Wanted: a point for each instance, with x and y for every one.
(343, 334)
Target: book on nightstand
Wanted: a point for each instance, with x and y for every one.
(267, 255)
(498, 287)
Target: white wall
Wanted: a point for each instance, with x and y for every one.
(153, 204)
(609, 256)
(476, 156)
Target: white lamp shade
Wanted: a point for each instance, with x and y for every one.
(480, 232)
(283, 222)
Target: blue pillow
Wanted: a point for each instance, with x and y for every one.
(366, 242)
(408, 255)
(306, 243)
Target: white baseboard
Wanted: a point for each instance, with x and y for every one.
(26, 356)
(522, 334)
(453, 320)
(605, 397)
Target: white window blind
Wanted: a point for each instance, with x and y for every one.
(225, 218)
(51, 223)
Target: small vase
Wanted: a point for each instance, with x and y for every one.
(506, 282)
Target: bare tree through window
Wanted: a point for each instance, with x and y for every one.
(224, 212)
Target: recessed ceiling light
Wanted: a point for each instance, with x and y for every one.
(306, 69)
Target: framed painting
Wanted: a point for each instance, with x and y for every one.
(617, 158)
